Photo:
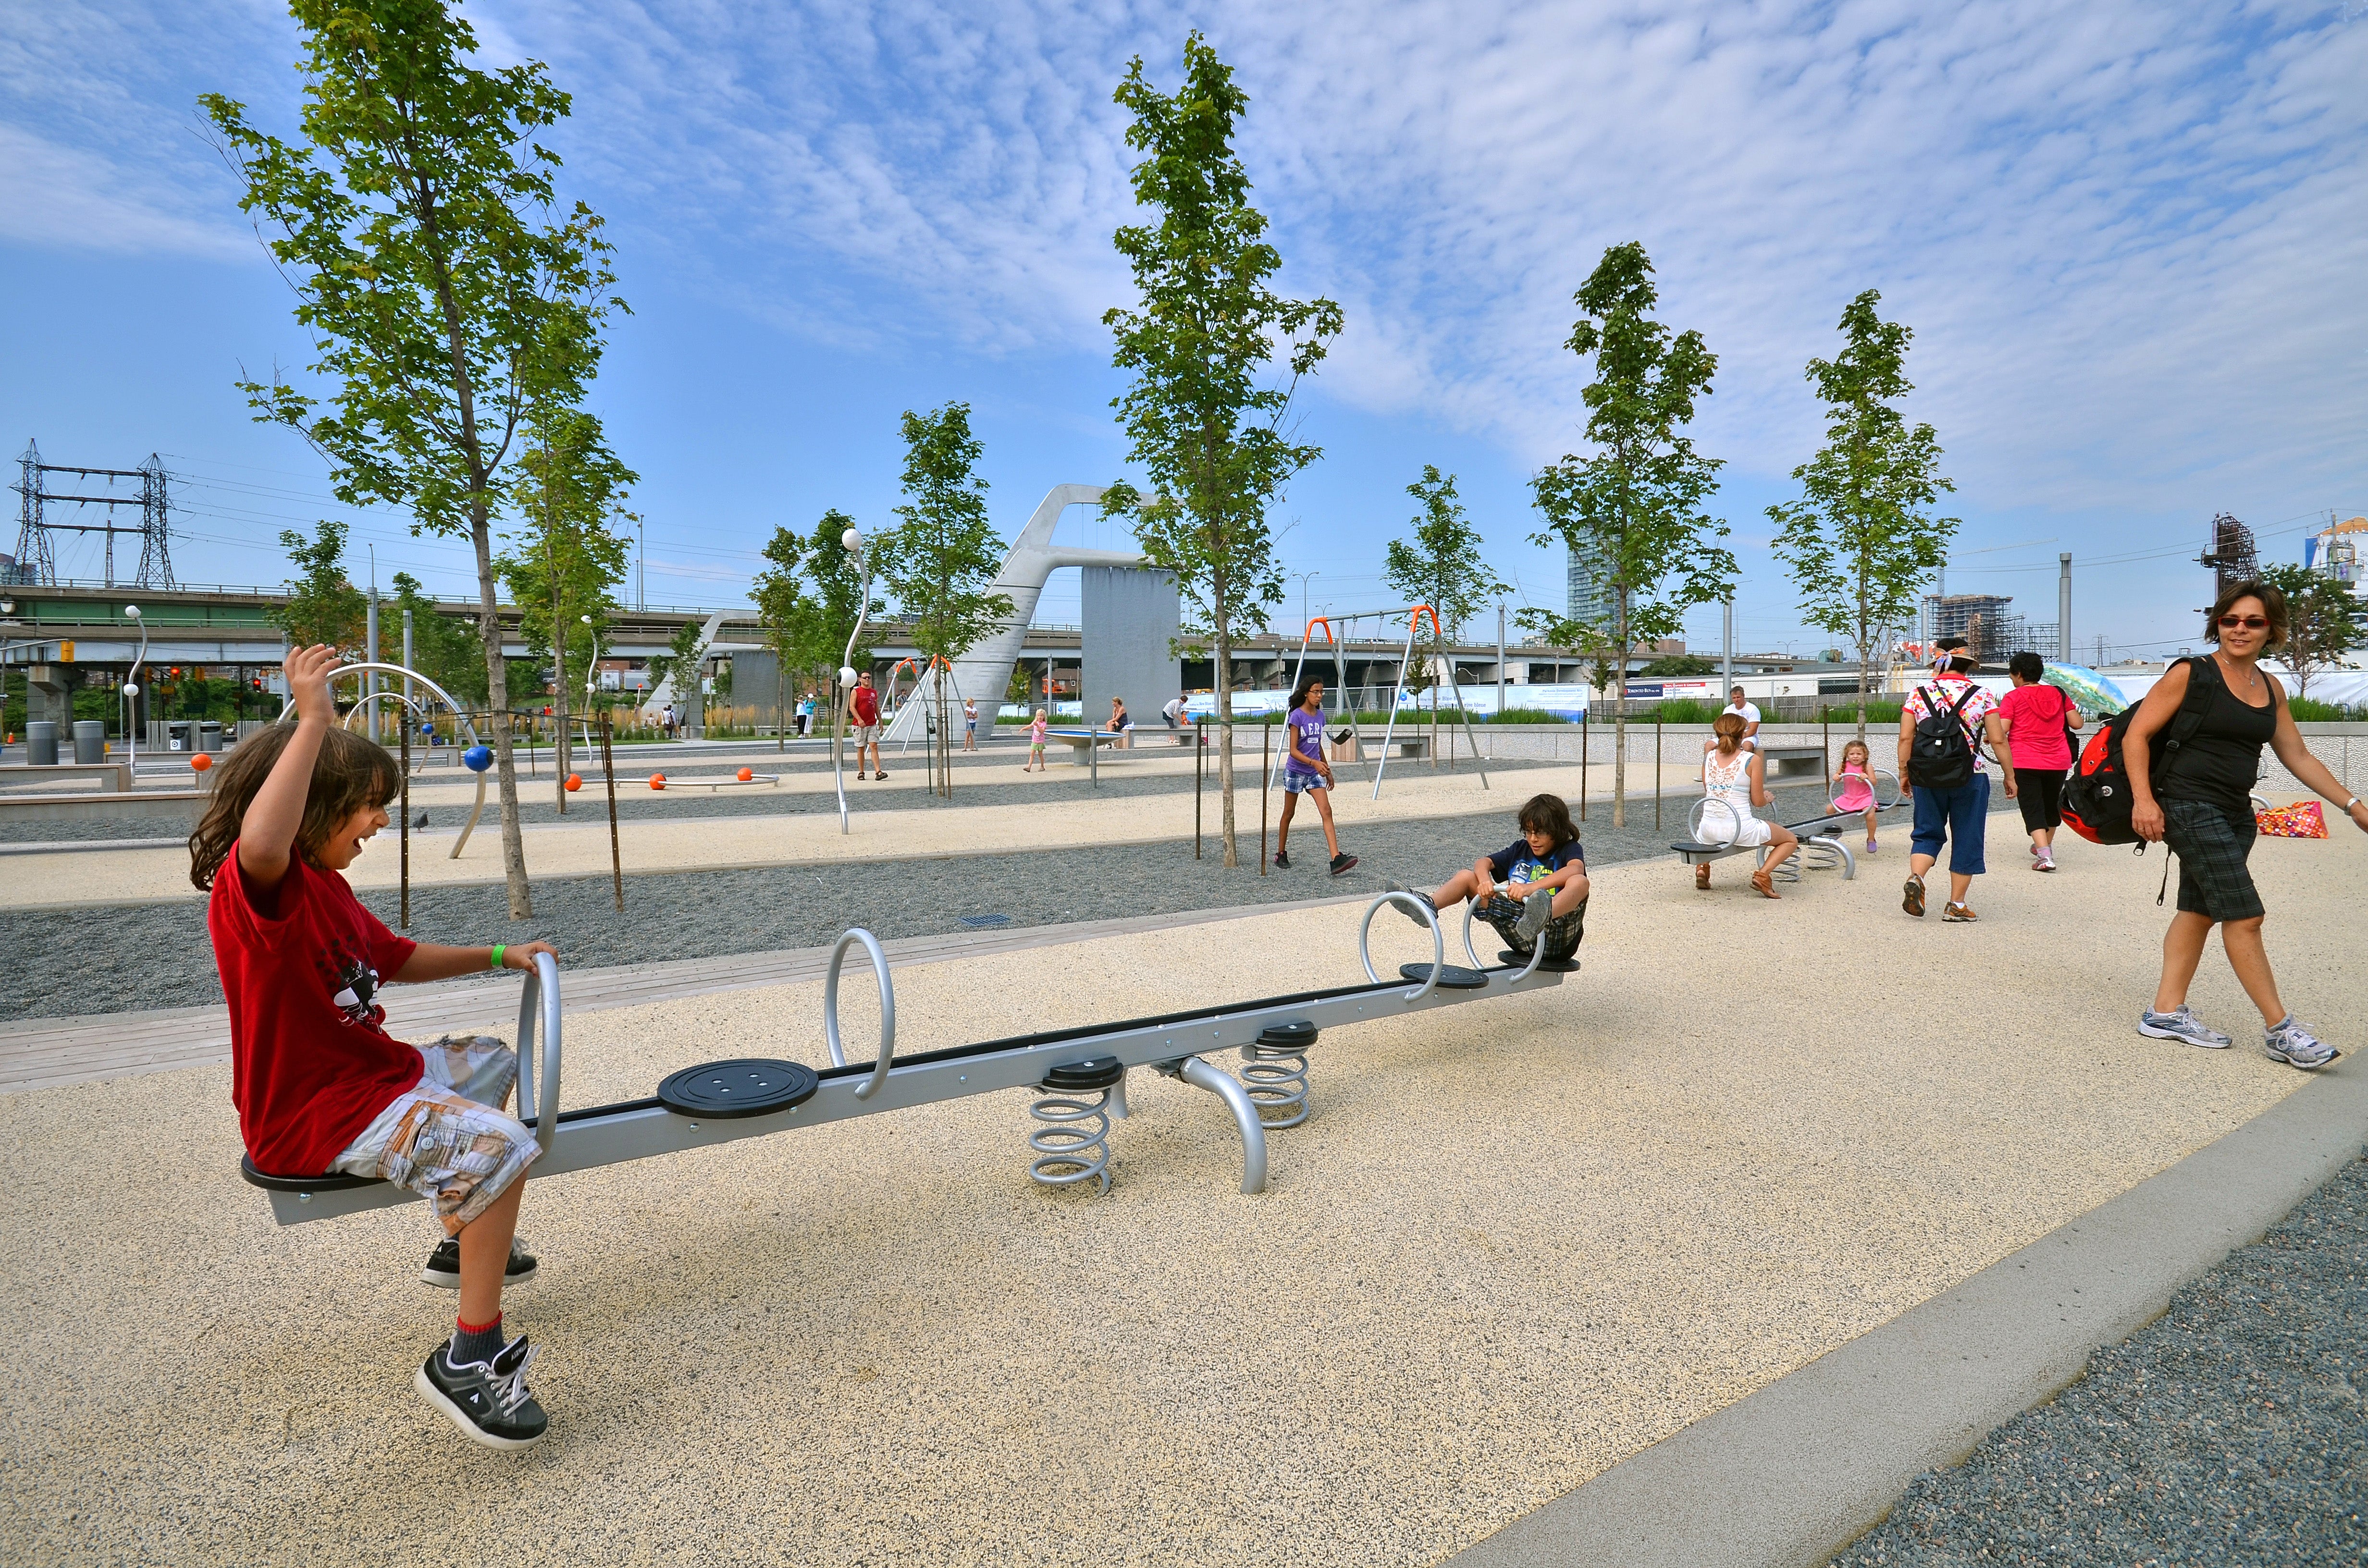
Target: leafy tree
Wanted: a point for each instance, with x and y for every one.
(686, 651)
(1862, 538)
(1440, 564)
(1681, 664)
(1201, 418)
(806, 601)
(562, 562)
(322, 605)
(2324, 622)
(1634, 507)
(443, 648)
(941, 559)
(446, 297)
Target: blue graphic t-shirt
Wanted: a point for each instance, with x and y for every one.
(1306, 735)
(1517, 867)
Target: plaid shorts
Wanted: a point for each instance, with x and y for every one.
(1563, 933)
(2211, 843)
(448, 1139)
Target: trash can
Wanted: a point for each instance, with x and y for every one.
(41, 743)
(209, 735)
(177, 733)
(90, 740)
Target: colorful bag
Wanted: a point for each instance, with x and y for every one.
(2303, 819)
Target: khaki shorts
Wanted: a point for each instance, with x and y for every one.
(866, 734)
(448, 1139)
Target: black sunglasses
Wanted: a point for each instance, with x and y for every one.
(2250, 622)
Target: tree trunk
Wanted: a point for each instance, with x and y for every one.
(498, 699)
(562, 752)
(1224, 671)
(1619, 712)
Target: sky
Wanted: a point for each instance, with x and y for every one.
(2129, 238)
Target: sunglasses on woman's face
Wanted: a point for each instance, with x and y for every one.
(2250, 622)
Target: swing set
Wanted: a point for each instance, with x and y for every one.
(1415, 614)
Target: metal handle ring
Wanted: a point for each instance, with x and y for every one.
(887, 1008)
(540, 993)
(1429, 917)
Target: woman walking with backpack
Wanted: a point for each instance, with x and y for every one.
(1940, 766)
(2197, 797)
(2039, 723)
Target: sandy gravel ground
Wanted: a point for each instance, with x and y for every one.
(1519, 1242)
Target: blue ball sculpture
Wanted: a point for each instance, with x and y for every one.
(478, 758)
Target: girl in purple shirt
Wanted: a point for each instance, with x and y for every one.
(1305, 772)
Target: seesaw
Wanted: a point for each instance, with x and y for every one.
(1713, 826)
(1079, 1074)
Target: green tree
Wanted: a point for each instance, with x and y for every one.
(806, 601)
(322, 605)
(446, 294)
(1439, 565)
(565, 559)
(443, 648)
(1634, 507)
(2324, 622)
(1863, 538)
(686, 654)
(1201, 417)
(1681, 664)
(941, 558)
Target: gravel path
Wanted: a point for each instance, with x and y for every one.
(110, 958)
(2228, 1431)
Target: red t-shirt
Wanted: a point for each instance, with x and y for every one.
(2034, 718)
(866, 703)
(311, 1061)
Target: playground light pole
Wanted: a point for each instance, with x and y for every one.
(131, 697)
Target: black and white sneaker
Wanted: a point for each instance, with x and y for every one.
(1343, 864)
(1281, 861)
(487, 1400)
(443, 1269)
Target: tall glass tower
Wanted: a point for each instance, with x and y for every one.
(1589, 599)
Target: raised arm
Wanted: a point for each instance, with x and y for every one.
(2288, 743)
(267, 833)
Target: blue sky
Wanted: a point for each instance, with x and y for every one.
(2130, 238)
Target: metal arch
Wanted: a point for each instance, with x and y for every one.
(1429, 917)
(477, 808)
(541, 994)
(887, 1008)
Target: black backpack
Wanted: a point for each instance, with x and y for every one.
(2097, 796)
(1942, 755)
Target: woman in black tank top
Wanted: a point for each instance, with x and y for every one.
(2220, 710)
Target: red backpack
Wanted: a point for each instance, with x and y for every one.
(2097, 800)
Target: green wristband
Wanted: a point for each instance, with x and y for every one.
(497, 962)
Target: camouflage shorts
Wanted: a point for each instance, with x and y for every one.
(448, 1139)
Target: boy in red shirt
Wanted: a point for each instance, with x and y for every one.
(863, 708)
(319, 1084)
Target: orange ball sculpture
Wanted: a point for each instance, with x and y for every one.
(746, 774)
(575, 782)
(658, 780)
(200, 762)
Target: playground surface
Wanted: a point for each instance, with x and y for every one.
(1515, 1245)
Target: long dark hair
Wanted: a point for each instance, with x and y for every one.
(349, 773)
(1306, 684)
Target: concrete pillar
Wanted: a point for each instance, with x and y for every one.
(2064, 607)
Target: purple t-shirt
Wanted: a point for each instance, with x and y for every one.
(1306, 735)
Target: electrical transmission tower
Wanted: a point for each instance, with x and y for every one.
(2230, 554)
(37, 563)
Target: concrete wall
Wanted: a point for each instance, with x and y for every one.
(1128, 624)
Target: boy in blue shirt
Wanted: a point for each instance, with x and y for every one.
(1534, 890)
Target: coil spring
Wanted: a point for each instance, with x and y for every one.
(1076, 1134)
(1275, 1077)
(1820, 855)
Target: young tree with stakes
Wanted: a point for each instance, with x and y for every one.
(322, 605)
(445, 293)
(807, 631)
(1198, 417)
(941, 559)
(1633, 506)
(1862, 540)
(2324, 622)
(1441, 566)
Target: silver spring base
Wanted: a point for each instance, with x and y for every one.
(1075, 1135)
(1821, 855)
(1790, 871)
(1276, 1080)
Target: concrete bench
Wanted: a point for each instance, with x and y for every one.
(1794, 758)
(111, 775)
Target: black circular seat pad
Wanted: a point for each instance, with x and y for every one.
(745, 1085)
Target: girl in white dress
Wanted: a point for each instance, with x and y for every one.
(1736, 776)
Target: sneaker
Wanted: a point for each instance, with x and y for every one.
(1911, 896)
(1343, 863)
(1961, 913)
(487, 1400)
(443, 1269)
(1281, 861)
(2181, 1023)
(1422, 898)
(1537, 913)
(2297, 1046)
(2046, 861)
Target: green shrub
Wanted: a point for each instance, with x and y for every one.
(1687, 710)
(2310, 710)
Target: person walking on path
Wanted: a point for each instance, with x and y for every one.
(2040, 719)
(863, 711)
(1738, 776)
(1941, 766)
(1305, 772)
(1746, 711)
(2198, 800)
(1035, 743)
(970, 724)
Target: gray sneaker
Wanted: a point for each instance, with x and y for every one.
(2297, 1046)
(486, 1400)
(2183, 1024)
(1421, 898)
(1537, 913)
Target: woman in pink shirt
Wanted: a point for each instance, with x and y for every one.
(2040, 719)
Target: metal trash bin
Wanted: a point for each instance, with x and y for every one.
(41, 743)
(209, 735)
(177, 735)
(90, 740)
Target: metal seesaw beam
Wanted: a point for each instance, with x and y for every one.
(607, 1135)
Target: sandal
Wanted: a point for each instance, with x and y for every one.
(1764, 885)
